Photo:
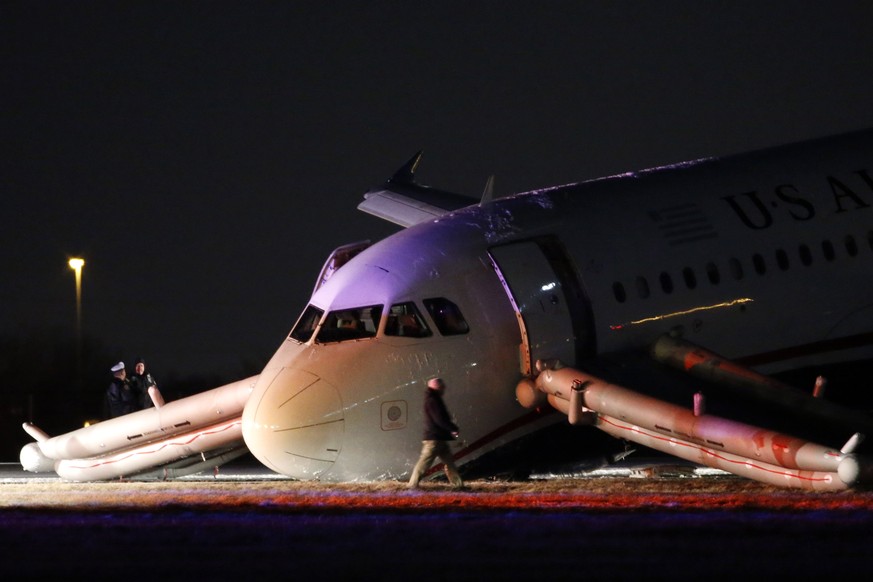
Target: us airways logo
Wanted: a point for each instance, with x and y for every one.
(759, 210)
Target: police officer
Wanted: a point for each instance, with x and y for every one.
(140, 383)
(119, 396)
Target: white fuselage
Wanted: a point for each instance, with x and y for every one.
(764, 258)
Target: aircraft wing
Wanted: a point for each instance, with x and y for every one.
(404, 202)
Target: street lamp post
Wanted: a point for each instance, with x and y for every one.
(76, 264)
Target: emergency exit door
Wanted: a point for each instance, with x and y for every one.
(554, 314)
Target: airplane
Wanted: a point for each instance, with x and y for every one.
(658, 306)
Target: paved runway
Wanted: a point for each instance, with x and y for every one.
(662, 523)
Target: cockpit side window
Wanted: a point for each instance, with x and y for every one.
(307, 323)
(404, 319)
(350, 324)
(447, 316)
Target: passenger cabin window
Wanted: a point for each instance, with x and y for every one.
(782, 259)
(712, 273)
(666, 282)
(619, 292)
(690, 279)
(643, 288)
(854, 246)
(350, 324)
(827, 248)
(851, 246)
(759, 264)
(404, 319)
(736, 268)
(306, 324)
(805, 255)
(447, 316)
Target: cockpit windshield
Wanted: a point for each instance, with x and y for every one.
(307, 323)
(349, 324)
(447, 316)
(404, 319)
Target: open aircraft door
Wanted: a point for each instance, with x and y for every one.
(554, 314)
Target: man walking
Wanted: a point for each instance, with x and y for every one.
(439, 429)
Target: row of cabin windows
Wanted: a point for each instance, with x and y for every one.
(735, 268)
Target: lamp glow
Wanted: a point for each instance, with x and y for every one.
(76, 264)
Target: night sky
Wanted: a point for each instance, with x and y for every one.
(205, 157)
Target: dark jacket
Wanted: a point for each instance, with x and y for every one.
(120, 398)
(140, 386)
(438, 425)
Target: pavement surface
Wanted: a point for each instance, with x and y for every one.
(654, 522)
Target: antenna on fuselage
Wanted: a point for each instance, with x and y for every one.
(488, 193)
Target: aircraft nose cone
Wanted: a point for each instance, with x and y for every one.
(294, 423)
